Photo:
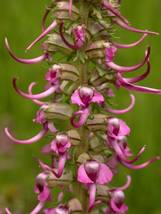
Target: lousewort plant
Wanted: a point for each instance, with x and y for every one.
(88, 141)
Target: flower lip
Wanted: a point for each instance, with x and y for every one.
(62, 139)
(92, 168)
(118, 197)
(86, 94)
(53, 74)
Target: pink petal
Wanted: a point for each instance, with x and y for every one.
(141, 166)
(25, 61)
(45, 194)
(123, 69)
(39, 103)
(139, 78)
(138, 88)
(120, 209)
(123, 111)
(41, 95)
(109, 7)
(83, 115)
(105, 174)
(97, 98)
(34, 139)
(127, 27)
(46, 149)
(125, 186)
(92, 195)
(124, 129)
(82, 175)
(61, 165)
(75, 98)
(38, 208)
(43, 34)
(118, 45)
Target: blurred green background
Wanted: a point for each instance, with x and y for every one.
(20, 21)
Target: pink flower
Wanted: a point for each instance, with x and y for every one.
(41, 188)
(60, 146)
(79, 36)
(117, 129)
(92, 173)
(116, 204)
(85, 95)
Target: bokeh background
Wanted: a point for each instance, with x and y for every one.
(20, 21)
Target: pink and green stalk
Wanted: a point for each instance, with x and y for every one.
(89, 142)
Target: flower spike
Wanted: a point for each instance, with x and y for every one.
(87, 141)
(141, 77)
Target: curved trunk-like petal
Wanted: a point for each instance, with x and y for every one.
(7, 211)
(92, 195)
(64, 39)
(123, 111)
(123, 157)
(119, 152)
(142, 150)
(133, 87)
(83, 115)
(130, 28)
(38, 208)
(124, 187)
(140, 166)
(34, 139)
(123, 69)
(38, 102)
(41, 95)
(118, 45)
(43, 34)
(25, 61)
(51, 127)
(141, 77)
(61, 165)
(114, 11)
